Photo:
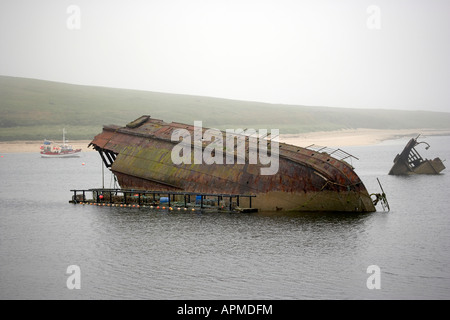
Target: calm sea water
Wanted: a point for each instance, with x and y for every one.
(142, 254)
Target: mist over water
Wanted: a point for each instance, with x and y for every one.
(126, 253)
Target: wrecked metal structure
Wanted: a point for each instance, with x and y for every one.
(308, 179)
(411, 162)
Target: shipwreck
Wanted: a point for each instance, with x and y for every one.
(409, 161)
(140, 155)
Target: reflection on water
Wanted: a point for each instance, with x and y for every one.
(126, 253)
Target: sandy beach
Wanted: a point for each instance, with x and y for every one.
(340, 138)
(355, 137)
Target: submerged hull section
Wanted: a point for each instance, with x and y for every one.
(140, 157)
(410, 162)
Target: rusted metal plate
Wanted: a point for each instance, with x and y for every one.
(103, 138)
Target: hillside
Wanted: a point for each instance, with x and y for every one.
(36, 109)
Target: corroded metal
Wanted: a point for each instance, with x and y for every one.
(409, 161)
(307, 179)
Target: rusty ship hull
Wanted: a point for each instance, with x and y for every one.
(139, 155)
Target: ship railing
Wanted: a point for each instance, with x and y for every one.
(335, 153)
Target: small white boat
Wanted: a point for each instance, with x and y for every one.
(52, 150)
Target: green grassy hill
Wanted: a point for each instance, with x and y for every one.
(36, 109)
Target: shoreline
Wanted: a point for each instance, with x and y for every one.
(356, 137)
(338, 138)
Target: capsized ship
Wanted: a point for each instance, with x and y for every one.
(409, 161)
(308, 179)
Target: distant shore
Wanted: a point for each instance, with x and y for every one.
(355, 137)
(339, 138)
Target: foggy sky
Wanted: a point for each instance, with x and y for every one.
(318, 53)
